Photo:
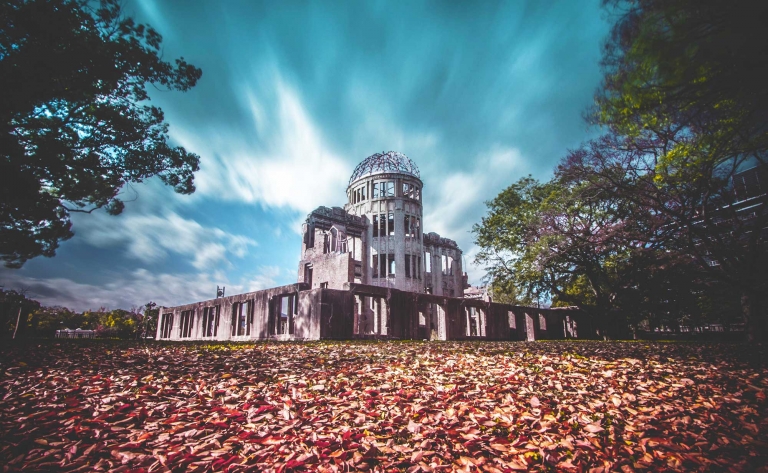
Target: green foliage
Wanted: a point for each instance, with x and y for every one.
(42, 322)
(149, 320)
(75, 125)
(502, 237)
(577, 241)
(693, 64)
(15, 306)
(642, 226)
(685, 87)
(555, 240)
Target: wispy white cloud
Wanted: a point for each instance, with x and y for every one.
(454, 201)
(136, 288)
(124, 290)
(282, 162)
(267, 277)
(156, 18)
(151, 237)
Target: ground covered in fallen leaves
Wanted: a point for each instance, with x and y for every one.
(405, 406)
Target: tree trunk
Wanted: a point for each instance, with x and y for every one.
(754, 318)
(18, 319)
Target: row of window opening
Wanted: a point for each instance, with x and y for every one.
(383, 189)
(384, 266)
(384, 225)
(446, 263)
(281, 319)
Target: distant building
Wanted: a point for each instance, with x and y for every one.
(477, 292)
(76, 333)
(369, 271)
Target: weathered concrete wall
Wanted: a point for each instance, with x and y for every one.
(345, 314)
(330, 270)
(260, 303)
(308, 323)
(446, 277)
(336, 314)
(333, 245)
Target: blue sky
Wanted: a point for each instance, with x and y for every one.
(293, 96)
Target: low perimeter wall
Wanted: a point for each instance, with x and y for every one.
(295, 312)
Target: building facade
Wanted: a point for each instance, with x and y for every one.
(368, 270)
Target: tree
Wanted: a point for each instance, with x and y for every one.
(502, 234)
(75, 126)
(562, 241)
(705, 235)
(685, 86)
(149, 320)
(15, 311)
(46, 320)
(695, 65)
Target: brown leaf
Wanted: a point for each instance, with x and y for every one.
(593, 428)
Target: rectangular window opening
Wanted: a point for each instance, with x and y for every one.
(382, 225)
(285, 312)
(210, 321)
(186, 324)
(167, 325)
(407, 266)
(472, 322)
(284, 322)
(241, 319)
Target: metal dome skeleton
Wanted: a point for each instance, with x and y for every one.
(390, 161)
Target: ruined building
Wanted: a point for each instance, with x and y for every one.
(377, 238)
(368, 271)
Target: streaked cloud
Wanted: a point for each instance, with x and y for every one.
(150, 237)
(454, 200)
(283, 162)
(135, 288)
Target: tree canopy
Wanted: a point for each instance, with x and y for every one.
(654, 220)
(75, 123)
(694, 65)
(23, 317)
(685, 91)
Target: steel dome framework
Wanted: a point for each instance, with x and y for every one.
(390, 161)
